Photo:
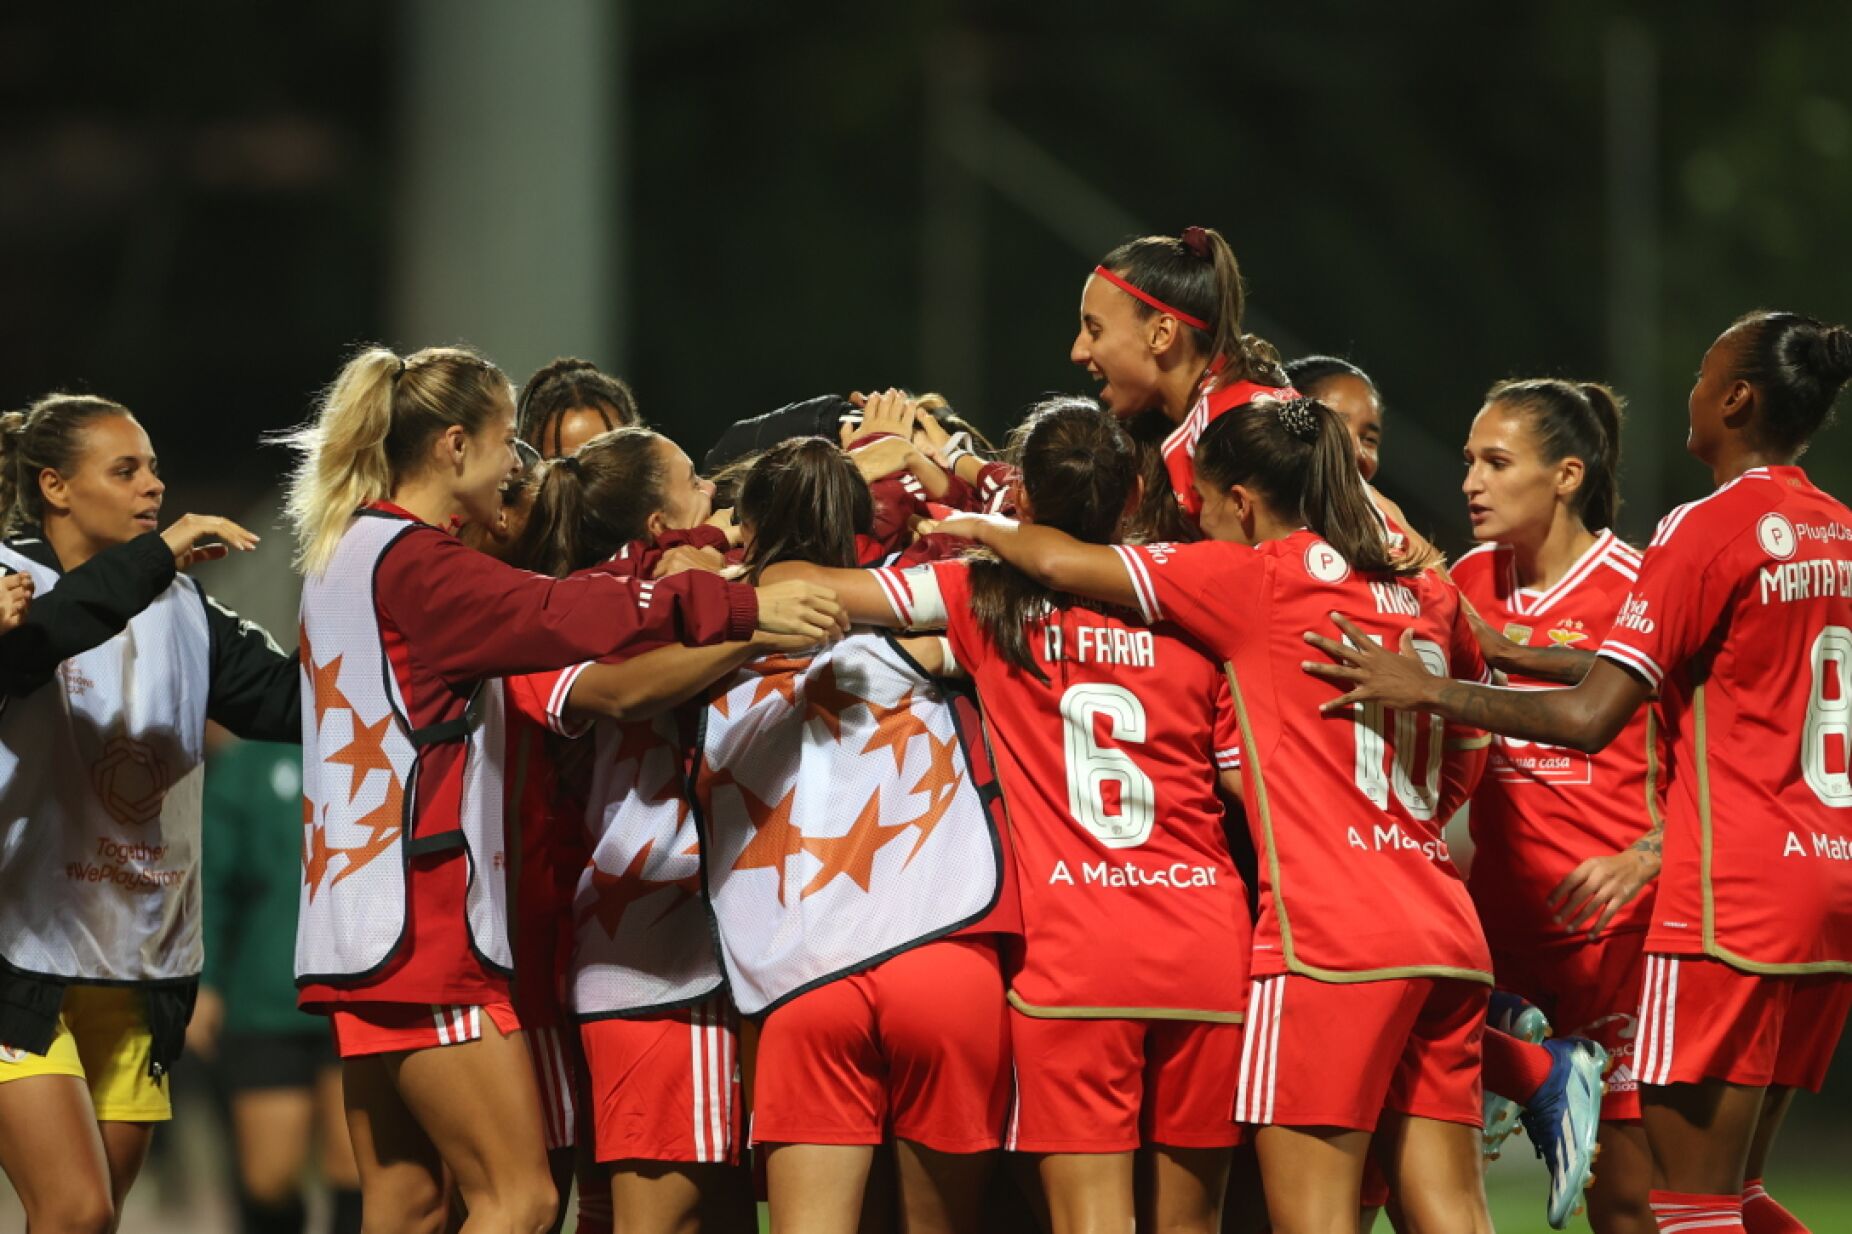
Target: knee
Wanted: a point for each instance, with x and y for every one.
(403, 1210)
(78, 1211)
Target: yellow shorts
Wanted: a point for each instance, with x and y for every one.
(103, 1040)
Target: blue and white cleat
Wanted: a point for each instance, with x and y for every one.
(1514, 1016)
(1562, 1120)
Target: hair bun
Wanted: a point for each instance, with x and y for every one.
(1196, 239)
(1836, 354)
(1299, 416)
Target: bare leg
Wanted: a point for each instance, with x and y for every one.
(52, 1151)
(1700, 1134)
(1312, 1177)
(1436, 1172)
(1180, 1189)
(673, 1197)
(941, 1193)
(125, 1145)
(817, 1188)
(401, 1176)
(479, 1105)
(1088, 1193)
(273, 1128)
(1775, 1107)
(1619, 1199)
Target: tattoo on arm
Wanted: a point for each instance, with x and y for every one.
(1534, 715)
(1566, 665)
(1653, 842)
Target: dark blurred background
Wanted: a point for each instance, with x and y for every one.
(204, 205)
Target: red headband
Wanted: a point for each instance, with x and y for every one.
(1148, 298)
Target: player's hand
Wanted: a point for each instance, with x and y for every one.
(202, 1031)
(928, 433)
(15, 599)
(1371, 672)
(883, 458)
(689, 557)
(1600, 887)
(1493, 645)
(185, 535)
(890, 411)
(767, 643)
(803, 609)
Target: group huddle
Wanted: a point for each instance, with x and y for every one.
(1051, 835)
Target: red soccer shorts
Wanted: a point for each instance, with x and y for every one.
(557, 1074)
(1588, 989)
(1109, 1086)
(1700, 1019)
(389, 1028)
(917, 1047)
(666, 1087)
(1323, 1054)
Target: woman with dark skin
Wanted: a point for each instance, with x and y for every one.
(1731, 598)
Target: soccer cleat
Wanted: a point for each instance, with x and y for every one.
(1509, 1014)
(1562, 1120)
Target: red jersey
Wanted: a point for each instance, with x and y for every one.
(1108, 779)
(452, 617)
(1742, 618)
(1356, 880)
(1542, 811)
(1179, 449)
(549, 851)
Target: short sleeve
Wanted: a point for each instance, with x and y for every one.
(1674, 605)
(916, 594)
(540, 698)
(1227, 726)
(1193, 585)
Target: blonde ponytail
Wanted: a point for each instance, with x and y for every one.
(370, 431)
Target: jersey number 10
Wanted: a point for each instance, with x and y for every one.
(1418, 793)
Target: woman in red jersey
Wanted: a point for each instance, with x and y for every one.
(1742, 620)
(908, 1042)
(1370, 971)
(402, 931)
(657, 1032)
(1565, 843)
(1160, 330)
(1107, 731)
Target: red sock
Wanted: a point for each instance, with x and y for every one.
(1679, 1213)
(1514, 1069)
(1762, 1214)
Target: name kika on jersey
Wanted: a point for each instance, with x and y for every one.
(1100, 645)
(1395, 601)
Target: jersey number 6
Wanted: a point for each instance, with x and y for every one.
(1106, 792)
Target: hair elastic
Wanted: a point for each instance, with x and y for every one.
(1140, 294)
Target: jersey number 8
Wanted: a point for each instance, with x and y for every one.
(1107, 794)
(1829, 719)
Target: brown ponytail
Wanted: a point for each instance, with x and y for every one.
(1079, 468)
(592, 503)
(1300, 457)
(1197, 273)
(48, 436)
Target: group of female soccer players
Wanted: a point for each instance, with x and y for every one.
(880, 804)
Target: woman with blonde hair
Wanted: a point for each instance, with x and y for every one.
(402, 933)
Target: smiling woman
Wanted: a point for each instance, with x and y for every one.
(109, 682)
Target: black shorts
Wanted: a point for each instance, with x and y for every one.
(275, 1060)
